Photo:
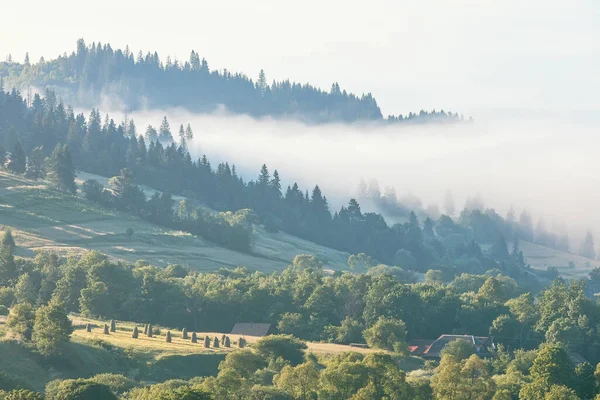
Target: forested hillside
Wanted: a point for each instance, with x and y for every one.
(144, 80)
(110, 149)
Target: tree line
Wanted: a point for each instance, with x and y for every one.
(90, 72)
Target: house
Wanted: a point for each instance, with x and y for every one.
(483, 346)
(252, 329)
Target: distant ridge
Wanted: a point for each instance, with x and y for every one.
(91, 73)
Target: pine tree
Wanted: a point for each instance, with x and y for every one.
(135, 333)
(261, 83)
(184, 333)
(194, 337)
(35, 164)
(164, 133)
(8, 241)
(264, 178)
(61, 171)
(189, 134)
(276, 183)
(587, 248)
(17, 161)
(182, 138)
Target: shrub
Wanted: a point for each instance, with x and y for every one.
(3, 310)
(184, 333)
(194, 337)
(78, 389)
(7, 296)
(23, 394)
(285, 346)
(135, 333)
(118, 384)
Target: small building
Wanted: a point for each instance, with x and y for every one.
(483, 346)
(252, 329)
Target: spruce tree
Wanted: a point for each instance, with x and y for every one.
(194, 337)
(8, 241)
(168, 337)
(206, 342)
(184, 333)
(35, 164)
(61, 171)
(587, 248)
(135, 333)
(17, 161)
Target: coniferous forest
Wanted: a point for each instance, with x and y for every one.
(145, 81)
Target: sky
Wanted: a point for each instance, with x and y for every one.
(477, 57)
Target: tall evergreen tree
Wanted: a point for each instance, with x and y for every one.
(35, 164)
(17, 161)
(587, 248)
(61, 171)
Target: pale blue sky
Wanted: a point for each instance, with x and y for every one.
(465, 55)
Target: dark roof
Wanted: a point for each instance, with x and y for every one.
(481, 344)
(251, 329)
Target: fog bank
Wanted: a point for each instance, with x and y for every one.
(547, 164)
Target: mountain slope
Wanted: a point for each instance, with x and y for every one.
(43, 219)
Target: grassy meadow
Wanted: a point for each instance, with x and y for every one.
(46, 220)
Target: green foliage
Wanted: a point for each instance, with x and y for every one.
(61, 171)
(300, 382)
(22, 394)
(285, 346)
(459, 349)
(244, 362)
(118, 384)
(78, 389)
(35, 164)
(52, 329)
(4, 311)
(387, 334)
(21, 319)
(16, 163)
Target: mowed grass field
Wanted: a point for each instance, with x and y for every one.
(157, 346)
(541, 257)
(43, 219)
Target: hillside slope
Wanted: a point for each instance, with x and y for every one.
(43, 219)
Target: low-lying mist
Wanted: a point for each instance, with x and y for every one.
(548, 165)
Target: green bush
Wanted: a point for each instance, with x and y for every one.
(118, 384)
(3, 310)
(285, 346)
